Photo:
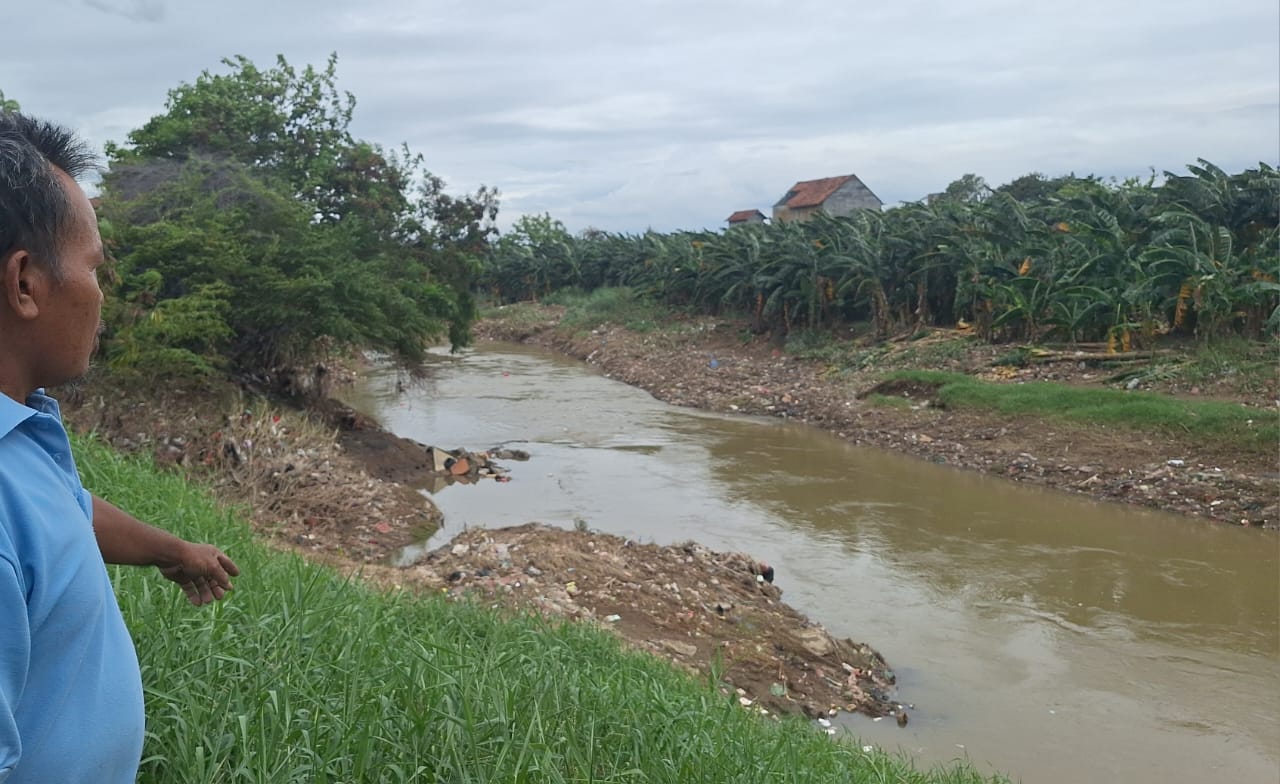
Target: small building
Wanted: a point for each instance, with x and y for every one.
(832, 195)
(742, 217)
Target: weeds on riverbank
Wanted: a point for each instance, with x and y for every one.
(1224, 424)
(304, 676)
(583, 311)
(619, 305)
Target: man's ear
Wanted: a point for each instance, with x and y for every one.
(23, 283)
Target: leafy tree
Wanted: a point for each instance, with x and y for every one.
(537, 256)
(248, 211)
(970, 188)
(8, 104)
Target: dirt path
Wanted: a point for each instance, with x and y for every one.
(707, 365)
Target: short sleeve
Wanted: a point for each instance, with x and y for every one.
(15, 657)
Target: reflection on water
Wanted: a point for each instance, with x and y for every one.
(1049, 636)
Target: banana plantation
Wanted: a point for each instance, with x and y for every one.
(1068, 259)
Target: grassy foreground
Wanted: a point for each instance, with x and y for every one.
(304, 676)
(1225, 424)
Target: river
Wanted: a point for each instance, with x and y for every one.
(1037, 633)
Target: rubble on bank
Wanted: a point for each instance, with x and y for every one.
(700, 609)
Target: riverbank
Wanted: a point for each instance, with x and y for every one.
(335, 486)
(332, 485)
(715, 364)
(305, 675)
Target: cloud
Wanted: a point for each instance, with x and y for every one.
(134, 10)
(673, 114)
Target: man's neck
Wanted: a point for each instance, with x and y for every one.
(14, 384)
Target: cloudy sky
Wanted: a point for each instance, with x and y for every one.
(664, 114)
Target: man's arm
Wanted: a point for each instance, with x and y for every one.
(203, 571)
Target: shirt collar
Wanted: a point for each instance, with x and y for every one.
(13, 413)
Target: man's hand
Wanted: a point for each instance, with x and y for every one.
(202, 571)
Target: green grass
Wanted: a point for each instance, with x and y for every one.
(304, 676)
(1226, 424)
(522, 314)
(889, 401)
(620, 306)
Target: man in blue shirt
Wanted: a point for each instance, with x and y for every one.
(70, 690)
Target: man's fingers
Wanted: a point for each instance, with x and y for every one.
(200, 593)
(220, 579)
(228, 565)
(192, 593)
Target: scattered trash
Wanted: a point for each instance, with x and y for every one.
(1176, 462)
(612, 618)
(459, 465)
(824, 722)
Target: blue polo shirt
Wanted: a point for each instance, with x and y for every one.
(70, 690)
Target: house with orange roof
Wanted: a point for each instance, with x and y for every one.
(832, 195)
(742, 217)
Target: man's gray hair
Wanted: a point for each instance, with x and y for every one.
(35, 210)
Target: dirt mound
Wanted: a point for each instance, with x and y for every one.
(701, 609)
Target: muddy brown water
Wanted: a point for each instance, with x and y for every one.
(1039, 634)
